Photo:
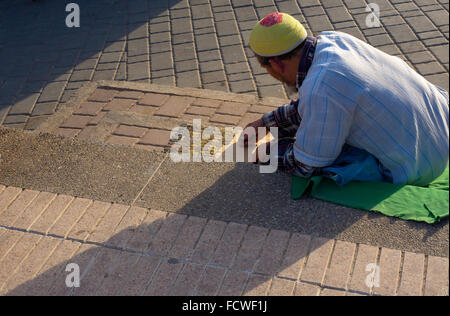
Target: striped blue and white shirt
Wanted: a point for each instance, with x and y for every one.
(356, 94)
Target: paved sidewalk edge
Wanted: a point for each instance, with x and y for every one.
(55, 120)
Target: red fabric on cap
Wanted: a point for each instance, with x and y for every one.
(272, 19)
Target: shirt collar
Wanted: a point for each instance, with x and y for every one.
(306, 59)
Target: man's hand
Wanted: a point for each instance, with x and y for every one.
(255, 125)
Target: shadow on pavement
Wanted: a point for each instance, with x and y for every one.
(219, 251)
(38, 51)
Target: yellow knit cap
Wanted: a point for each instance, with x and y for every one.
(276, 34)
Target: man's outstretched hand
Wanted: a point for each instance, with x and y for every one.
(255, 125)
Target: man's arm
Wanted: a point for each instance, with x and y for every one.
(286, 118)
(288, 164)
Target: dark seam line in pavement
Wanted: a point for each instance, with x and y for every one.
(131, 251)
(323, 287)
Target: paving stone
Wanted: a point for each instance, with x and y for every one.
(130, 131)
(69, 217)
(15, 119)
(96, 119)
(76, 121)
(9, 214)
(412, 275)
(89, 220)
(128, 94)
(441, 52)
(281, 287)
(174, 106)
(200, 110)
(338, 14)
(33, 211)
(250, 248)
(81, 75)
(51, 92)
(153, 99)
(102, 95)
(305, 289)
(440, 80)
(16, 255)
(122, 140)
(188, 79)
(429, 68)
(225, 119)
(67, 132)
(366, 256)
(242, 86)
(389, 268)
(187, 239)
(206, 42)
(317, 261)
(379, 40)
(143, 109)
(187, 280)
(436, 283)
(25, 273)
(210, 282)
(233, 283)
(105, 228)
(319, 23)
(44, 108)
(156, 137)
(145, 232)
(208, 241)
(24, 104)
(420, 24)
(257, 285)
(233, 108)
(166, 235)
(164, 279)
(127, 227)
(233, 54)
(229, 244)
(401, 33)
(119, 104)
(338, 272)
(439, 17)
(90, 108)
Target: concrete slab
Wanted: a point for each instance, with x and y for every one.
(51, 163)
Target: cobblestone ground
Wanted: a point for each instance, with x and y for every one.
(185, 43)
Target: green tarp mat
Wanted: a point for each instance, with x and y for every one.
(425, 204)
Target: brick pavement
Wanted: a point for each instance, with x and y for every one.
(150, 252)
(143, 115)
(195, 43)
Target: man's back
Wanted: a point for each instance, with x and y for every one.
(356, 94)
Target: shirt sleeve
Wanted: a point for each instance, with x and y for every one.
(290, 165)
(325, 125)
(286, 118)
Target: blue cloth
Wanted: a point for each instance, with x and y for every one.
(354, 164)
